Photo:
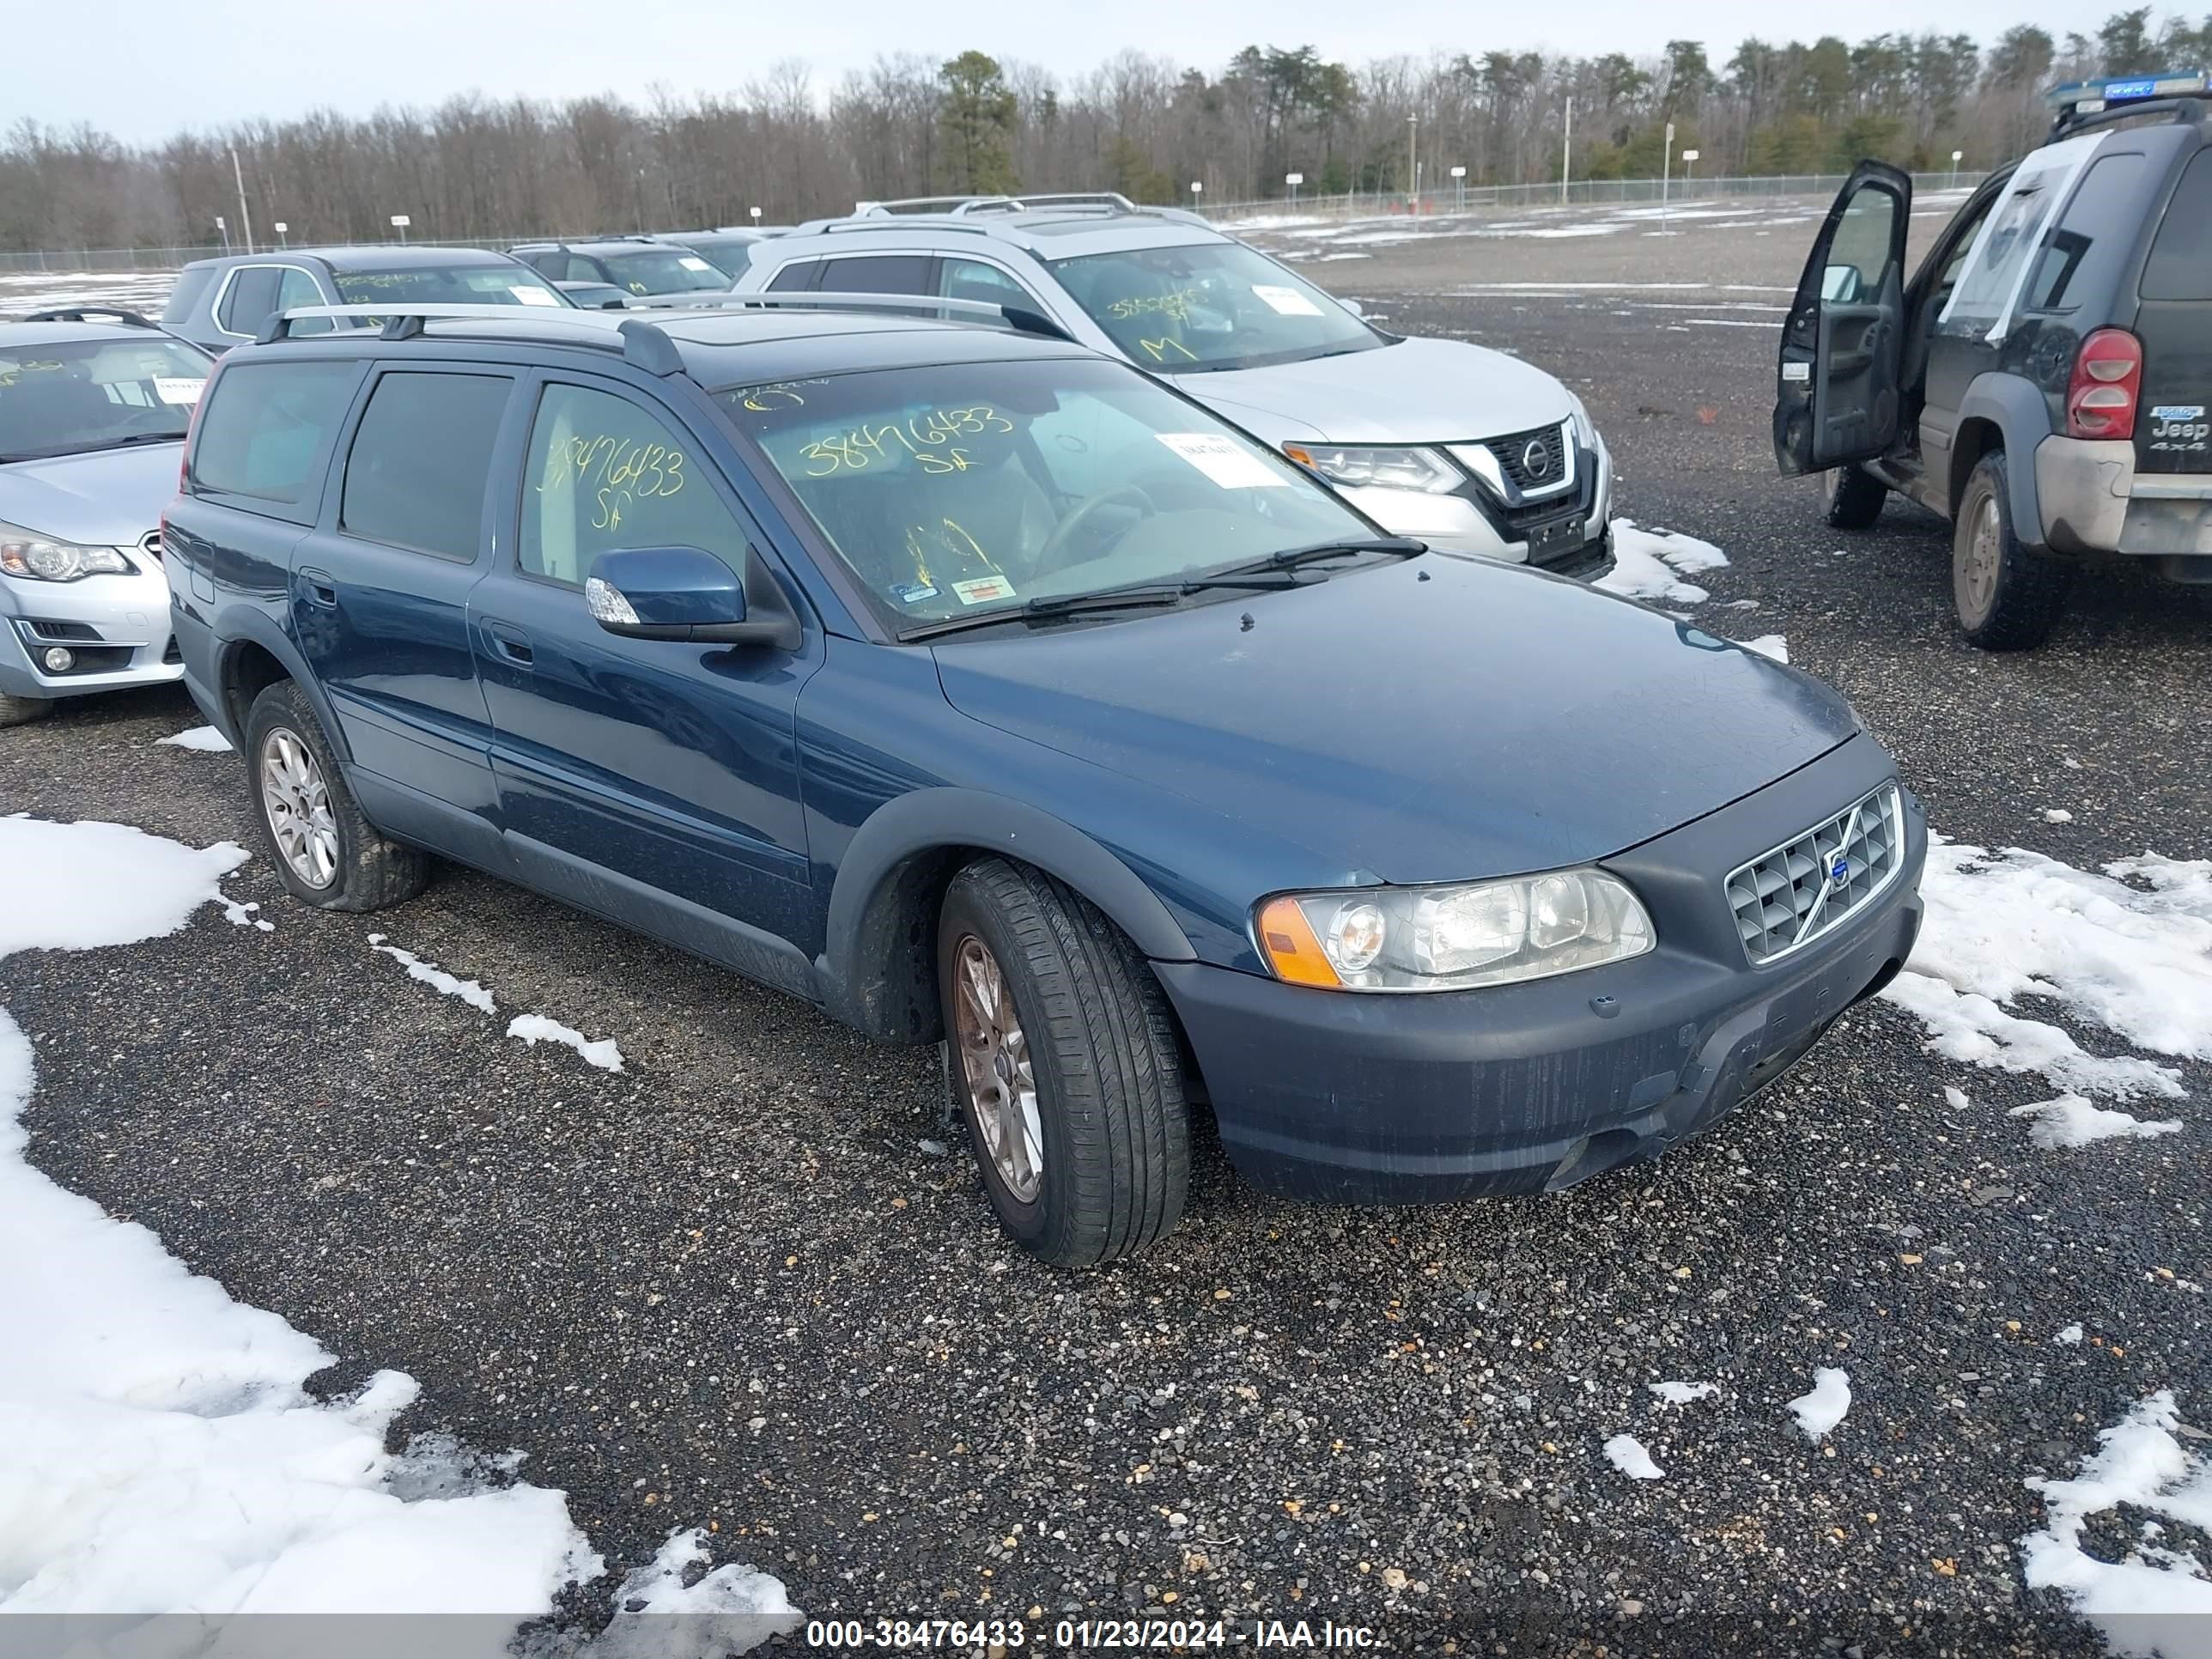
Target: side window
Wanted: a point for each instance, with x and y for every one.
(2180, 266)
(1956, 261)
(265, 425)
(1858, 258)
(602, 473)
(251, 296)
(2096, 232)
(971, 279)
(548, 265)
(415, 477)
(796, 277)
(296, 287)
(191, 284)
(887, 273)
(580, 270)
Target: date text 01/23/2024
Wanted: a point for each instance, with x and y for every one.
(1010, 1636)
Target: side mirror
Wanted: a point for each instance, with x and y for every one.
(1839, 284)
(1353, 306)
(687, 593)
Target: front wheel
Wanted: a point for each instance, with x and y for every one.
(2008, 596)
(1854, 498)
(1062, 1058)
(327, 854)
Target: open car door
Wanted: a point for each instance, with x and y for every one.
(1836, 395)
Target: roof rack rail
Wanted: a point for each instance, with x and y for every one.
(962, 207)
(1021, 318)
(2077, 101)
(85, 313)
(404, 321)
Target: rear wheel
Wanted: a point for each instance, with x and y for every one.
(1063, 1061)
(1854, 498)
(22, 711)
(327, 854)
(2008, 596)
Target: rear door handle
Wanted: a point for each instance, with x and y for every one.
(319, 588)
(509, 645)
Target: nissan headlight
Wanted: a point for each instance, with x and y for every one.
(34, 558)
(1363, 466)
(1453, 938)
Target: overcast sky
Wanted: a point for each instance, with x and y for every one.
(141, 68)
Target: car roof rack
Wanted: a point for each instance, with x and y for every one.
(403, 320)
(1023, 319)
(2075, 101)
(86, 314)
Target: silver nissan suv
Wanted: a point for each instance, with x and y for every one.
(1470, 450)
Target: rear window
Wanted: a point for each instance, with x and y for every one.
(891, 273)
(506, 283)
(191, 284)
(2092, 238)
(797, 274)
(2181, 266)
(415, 477)
(266, 423)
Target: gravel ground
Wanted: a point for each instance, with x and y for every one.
(731, 1288)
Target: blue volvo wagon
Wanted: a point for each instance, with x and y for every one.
(981, 689)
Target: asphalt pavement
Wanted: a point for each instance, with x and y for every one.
(732, 1286)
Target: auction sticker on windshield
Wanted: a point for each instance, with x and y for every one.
(1227, 464)
(984, 590)
(1288, 301)
(177, 389)
(531, 296)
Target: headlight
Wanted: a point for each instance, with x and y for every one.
(1362, 467)
(41, 558)
(1450, 938)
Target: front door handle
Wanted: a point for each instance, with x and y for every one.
(510, 645)
(316, 588)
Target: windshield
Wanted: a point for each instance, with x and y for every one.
(515, 284)
(1214, 304)
(62, 398)
(664, 270)
(965, 488)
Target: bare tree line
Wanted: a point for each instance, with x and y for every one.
(909, 124)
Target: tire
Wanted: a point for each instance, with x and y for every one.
(22, 711)
(1854, 497)
(336, 861)
(1105, 1168)
(2007, 596)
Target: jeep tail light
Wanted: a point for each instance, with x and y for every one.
(2100, 400)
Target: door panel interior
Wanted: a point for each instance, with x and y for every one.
(1838, 382)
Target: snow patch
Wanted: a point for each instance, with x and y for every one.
(1819, 1412)
(2071, 1335)
(1957, 1097)
(468, 990)
(1768, 644)
(1649, 564)
(2070, 1121)
(163, 1454)
(1626, 1453)
(205, 740)
(2057, 815)
(534, 1029)
(1681, 1394)
(2135, 959)
(731, 1610)
(2153, 1600)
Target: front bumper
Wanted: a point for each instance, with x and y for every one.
(1379, 1099)
(117, 627)
(1469, 521)
(2093, 499)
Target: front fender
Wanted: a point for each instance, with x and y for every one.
(876, 970)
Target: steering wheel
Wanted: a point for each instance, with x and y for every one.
(1058, 541)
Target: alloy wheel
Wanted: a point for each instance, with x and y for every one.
(1978, 574)
(297, 799)
(994, 1064)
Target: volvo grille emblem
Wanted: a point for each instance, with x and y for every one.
(1839, 872)
(1536, 458)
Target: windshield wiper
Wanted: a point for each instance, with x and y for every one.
(1136, 595)
(94, 449)
(1291, 558)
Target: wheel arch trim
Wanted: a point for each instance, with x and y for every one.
(2016, 409)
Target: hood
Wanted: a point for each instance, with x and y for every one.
(1487, 721)
(108, 498)
(1416, 391)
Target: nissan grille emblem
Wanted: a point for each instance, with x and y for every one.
(1536, 460)
(1839, 872)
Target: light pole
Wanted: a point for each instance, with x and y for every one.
(1957, 155)
(1459, 187)
(1666, 171)
(283, 235)
(1567, 153)
(244, 213)
(1412, 163)
(1294, 179)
